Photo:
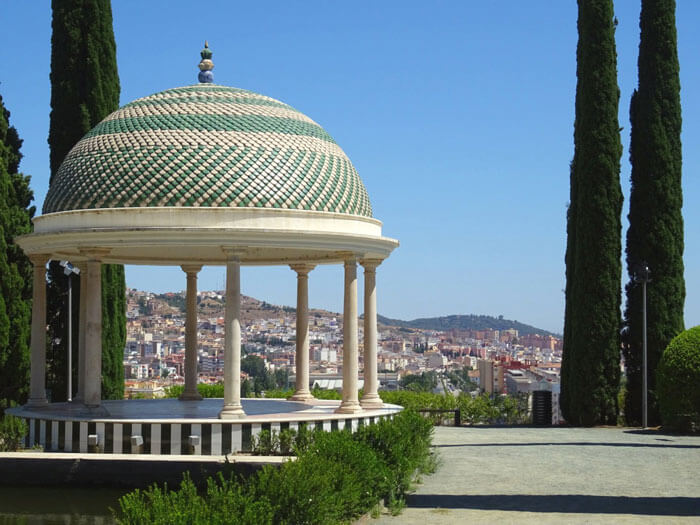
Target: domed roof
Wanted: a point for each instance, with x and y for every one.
(208, 146)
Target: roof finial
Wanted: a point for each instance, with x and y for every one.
(206, 65)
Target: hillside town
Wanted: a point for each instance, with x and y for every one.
(499, 362)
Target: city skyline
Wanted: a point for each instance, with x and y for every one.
(458, 118)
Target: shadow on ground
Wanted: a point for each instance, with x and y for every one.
(568, 443)
(567, 503)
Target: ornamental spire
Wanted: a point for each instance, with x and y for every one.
(206, 65)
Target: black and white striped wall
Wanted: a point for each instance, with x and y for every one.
(174, 438)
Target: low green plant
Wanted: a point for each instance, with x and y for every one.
(337, 477)
(12, 432)
(286, 440)
(222, 501)
(678, 382)
(319, 393)
(402, 456)
(206, 390)
(279, 393)
(266, 443)
(303, 439)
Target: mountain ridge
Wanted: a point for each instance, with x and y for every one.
(465, 322)
(256, 308)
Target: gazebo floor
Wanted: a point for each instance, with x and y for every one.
(171, 426)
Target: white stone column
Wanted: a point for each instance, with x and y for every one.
(302, 392)
(92, 391)
(37, 394)
(190, 393)
(81, 331)
(350, 404)
(232, 340)
(371, 398)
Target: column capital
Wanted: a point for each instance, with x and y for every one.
(302, 268)
(191, 268)
(350, 261)
(371, 264)
(95, 254)
(39, 259)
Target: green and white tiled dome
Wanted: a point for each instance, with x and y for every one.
(208, 146)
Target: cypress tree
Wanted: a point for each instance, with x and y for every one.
(15, 269)
(655, 234)
(84, 90)
(590, 367)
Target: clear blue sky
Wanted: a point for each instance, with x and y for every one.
(457, 115)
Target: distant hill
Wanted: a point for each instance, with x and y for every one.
(252, 308)
(465, 322)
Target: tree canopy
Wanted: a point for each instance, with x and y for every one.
(16, 213)
(590, 366)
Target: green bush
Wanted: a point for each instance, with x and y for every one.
(304, 438)
(678, 382)
(401, 455)
(12, 432)
(287, 439)
(477, 410)
(266, 443)
(328, 394)
(223, 502)
(419, 400)
(279, 393)
(336, 477)
(206, 390)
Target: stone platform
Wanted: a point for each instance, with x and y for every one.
(174, 427)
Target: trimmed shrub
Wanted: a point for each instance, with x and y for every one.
(337, 477)
(678, 382)
(224, 502)
(206, 390)
(287, 439)
(401, 455)
(266, 443)
(12, 432)
(303, 439)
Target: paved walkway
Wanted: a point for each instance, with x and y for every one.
(557, 475)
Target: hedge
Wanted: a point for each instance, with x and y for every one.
(336, 477)
(678, 382)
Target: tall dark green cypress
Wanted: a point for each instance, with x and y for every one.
(590, 368)
(84, 90)
(655, 234)
(15, 269)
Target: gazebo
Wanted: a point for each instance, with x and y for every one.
(209, 175)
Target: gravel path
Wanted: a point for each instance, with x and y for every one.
(557, 475)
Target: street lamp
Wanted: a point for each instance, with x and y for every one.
(642, 275)
(69, 270)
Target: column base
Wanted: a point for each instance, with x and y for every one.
(302, 397)
(232, 412)
(190, 396)
(37, 402)
(349, 407)
(371, 401)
